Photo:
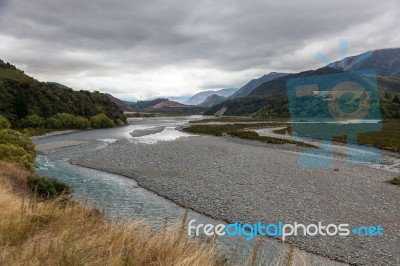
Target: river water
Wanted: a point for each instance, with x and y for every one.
(120, 197)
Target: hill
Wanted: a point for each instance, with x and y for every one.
(168, 106)
(22, 95)
(251, 85)
(201, 96)
(142, 105)
(212, 100)
(386, 62)
(121, 104)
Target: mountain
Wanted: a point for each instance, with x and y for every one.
(121, 104)
(271, 94)
(211, 100)
(386, 62)
(168, 106)
(179, 99)
(270, 99)
(22, 95)
(201, 96)
(251, 85)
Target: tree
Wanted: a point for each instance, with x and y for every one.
(101, 121)
(21, 106)
(4, 123)
(34, 121)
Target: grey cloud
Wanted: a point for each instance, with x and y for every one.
(106, 38)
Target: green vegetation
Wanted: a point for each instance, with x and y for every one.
(387, 138)
(17, 147)
(4, 123)
(28, 103)
(394, 181)
(241, 131)
(238, 119)
(35, 125)
(139, 114)
(47, 188)
(101, 121)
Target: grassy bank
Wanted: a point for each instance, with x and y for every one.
(40, 225)
(240, 131)
(388, 138)
(65, 233)
(239, 119)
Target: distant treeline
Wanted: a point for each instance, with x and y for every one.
(141, 105)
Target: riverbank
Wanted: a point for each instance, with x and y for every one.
(63, 232)
(246, 181)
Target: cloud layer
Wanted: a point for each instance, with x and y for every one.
(143, 49)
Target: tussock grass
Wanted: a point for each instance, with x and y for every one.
(65, 233)
(394, 181)
(241, 131)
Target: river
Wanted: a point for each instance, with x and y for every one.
(120, 197)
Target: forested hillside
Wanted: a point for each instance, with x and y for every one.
(22, 96)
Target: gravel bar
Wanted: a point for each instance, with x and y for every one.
(248, 181)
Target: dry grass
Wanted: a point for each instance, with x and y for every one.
(59, 233)
(14, 177)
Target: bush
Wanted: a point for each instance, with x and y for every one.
(14, 153)
(34, 121)
(66, 120)
(101, 121)
(80, 123)
(53, 123)
(4, 123)
(47, 188)
(119, 122)
(12, 137)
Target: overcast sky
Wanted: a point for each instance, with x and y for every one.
(139, 49)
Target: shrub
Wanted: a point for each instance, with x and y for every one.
(101, 121)
(119, 122)
(32, 121)
(12, 137)
(81, 123)
(14, 153)
(67, 120)
(4, 123)
(53, 123)
(47, 188)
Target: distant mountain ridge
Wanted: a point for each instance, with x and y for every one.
(386, 62)
(201, 96)
(254, 83)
